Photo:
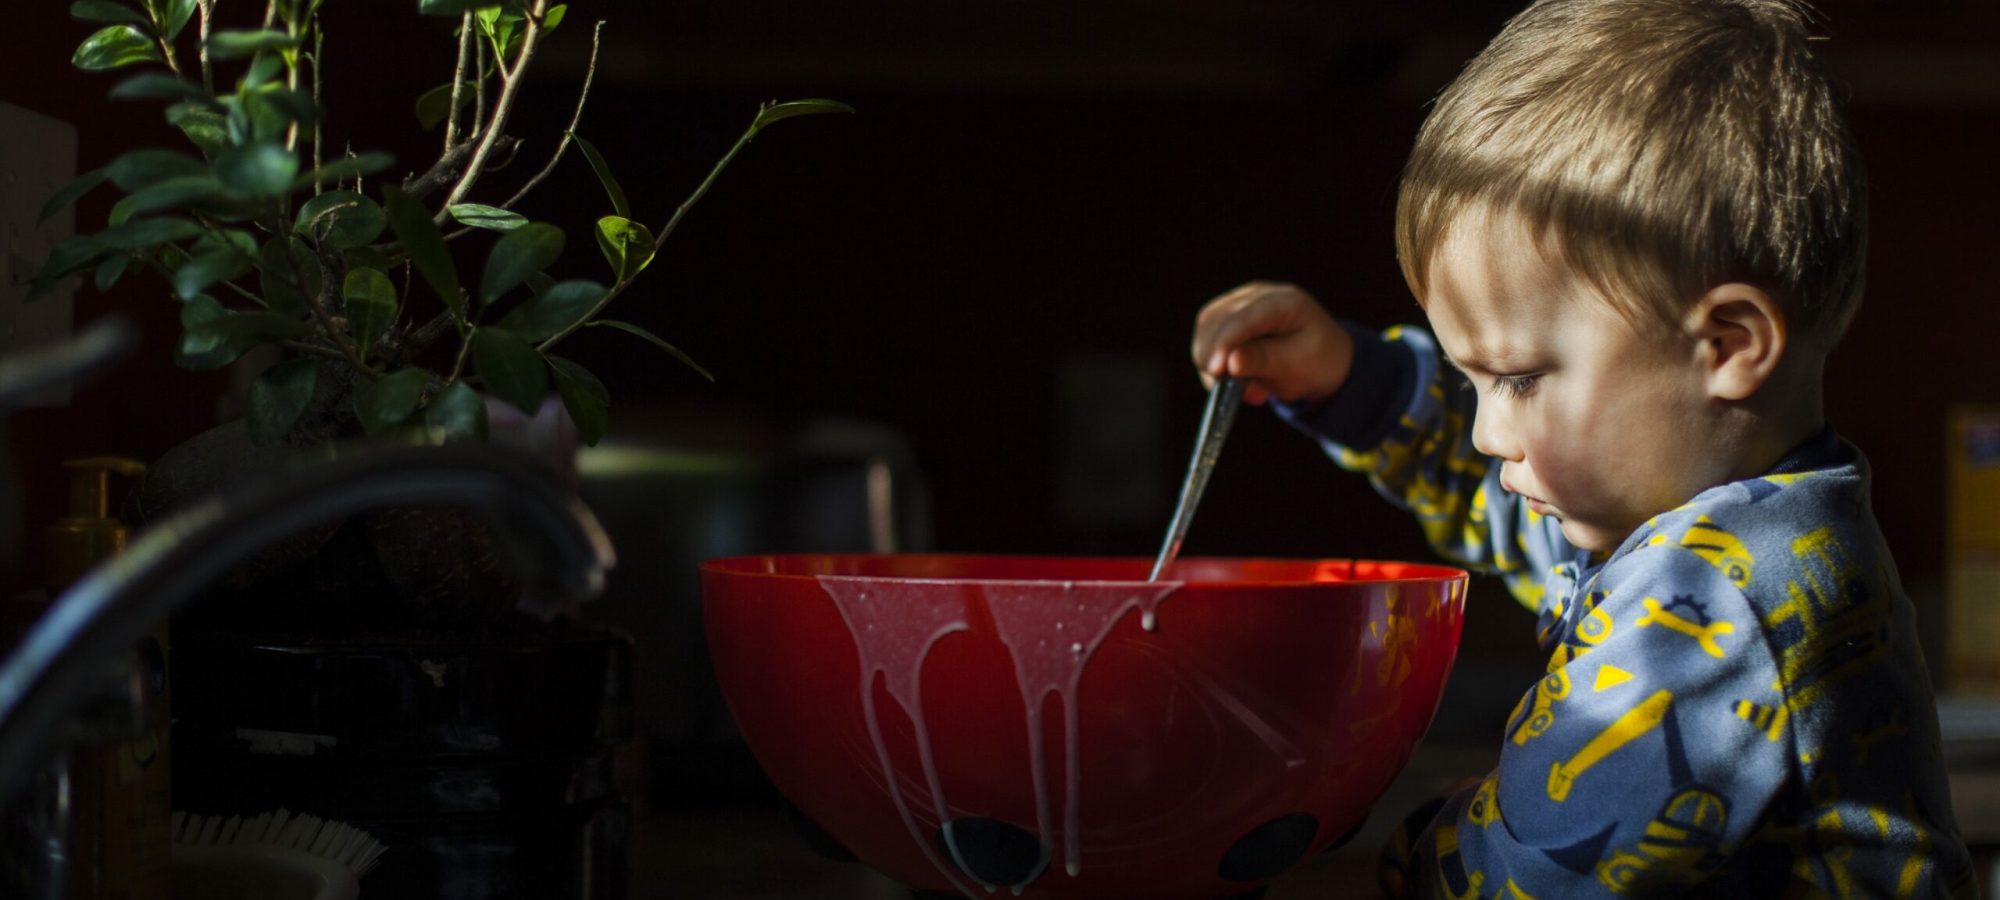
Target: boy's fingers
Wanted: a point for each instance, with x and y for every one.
(1234, 318)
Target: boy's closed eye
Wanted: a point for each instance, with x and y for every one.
(1516, 386)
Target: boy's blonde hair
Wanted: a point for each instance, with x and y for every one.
(1660, 147)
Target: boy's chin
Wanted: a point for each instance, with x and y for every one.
(1594, 538)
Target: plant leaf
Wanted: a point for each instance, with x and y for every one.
(456, 412)
(184, 191)
(221, 340)
(282, 274)
(110, 270)
(780, 111)
(114, 46)
(238, 44)
(371, 306)
(106, 11)
(491, 218)
(291, 105)
(195, 275)
(589, 404)
(277, 398)
(627, 245)
(261, 72)
(67, 258)
(69, 192)
(139, 168)
(262, 169)
(655, 340)
(157, 86)
(554, 17)
(424, 246)
(147, 232)
(512, 367)
(206, 127)
(172, 15)
(522, 252)
(390, 399)
(603, 170)
(343, 219)
(345, 168)
(433, 105)
(197, 311)
(555, 309)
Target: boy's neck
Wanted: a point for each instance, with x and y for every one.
(1783, 416)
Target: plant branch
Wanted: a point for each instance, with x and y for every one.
(319, 312)
(207, 12)
(458, 365)
(661, 239)
(313, 350)
(575, 118)
(167, 53)
(319, 129)
(478, 91)
(510, 91)
(457, 82)
(680, 211)
(439, 172)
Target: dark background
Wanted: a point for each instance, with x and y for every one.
(1033, 192)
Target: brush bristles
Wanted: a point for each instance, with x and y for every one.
(340, 842)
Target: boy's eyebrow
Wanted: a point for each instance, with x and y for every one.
(1475, 366)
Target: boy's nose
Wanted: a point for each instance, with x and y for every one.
(1492, 435)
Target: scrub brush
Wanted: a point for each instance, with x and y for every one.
(272, 855)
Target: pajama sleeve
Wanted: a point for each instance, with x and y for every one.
(1643, 759)
(1404, 419)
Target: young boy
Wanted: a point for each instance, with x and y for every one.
(1637, 229)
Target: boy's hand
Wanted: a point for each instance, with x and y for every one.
(1276, 338)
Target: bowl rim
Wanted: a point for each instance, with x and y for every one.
(761, 565)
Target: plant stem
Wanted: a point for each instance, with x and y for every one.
(576, 118)
(207, 12)
(312, 349)
(319, 129)
(510, 89)
(689, 203)
(686, 205)
(167, 53)
(464, 350)
(457, 81)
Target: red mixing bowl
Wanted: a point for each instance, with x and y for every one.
(1066, 729)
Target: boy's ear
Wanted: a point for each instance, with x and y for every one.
(1742, 337)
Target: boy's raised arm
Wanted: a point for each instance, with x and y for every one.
(1385, 406)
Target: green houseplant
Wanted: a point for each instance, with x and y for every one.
(265, 240)
(403, 302)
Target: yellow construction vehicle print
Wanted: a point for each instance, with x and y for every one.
(1701, 630)
(1484, 807)
(1608, 677)
(1723, 550)
(1768, 719)
(1554, 686)
(1686, 836)
(1625, 729)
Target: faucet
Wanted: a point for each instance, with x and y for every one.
(75, 653)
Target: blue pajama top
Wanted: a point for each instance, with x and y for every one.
(1735, 697)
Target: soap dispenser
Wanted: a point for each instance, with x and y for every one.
(121, 811)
